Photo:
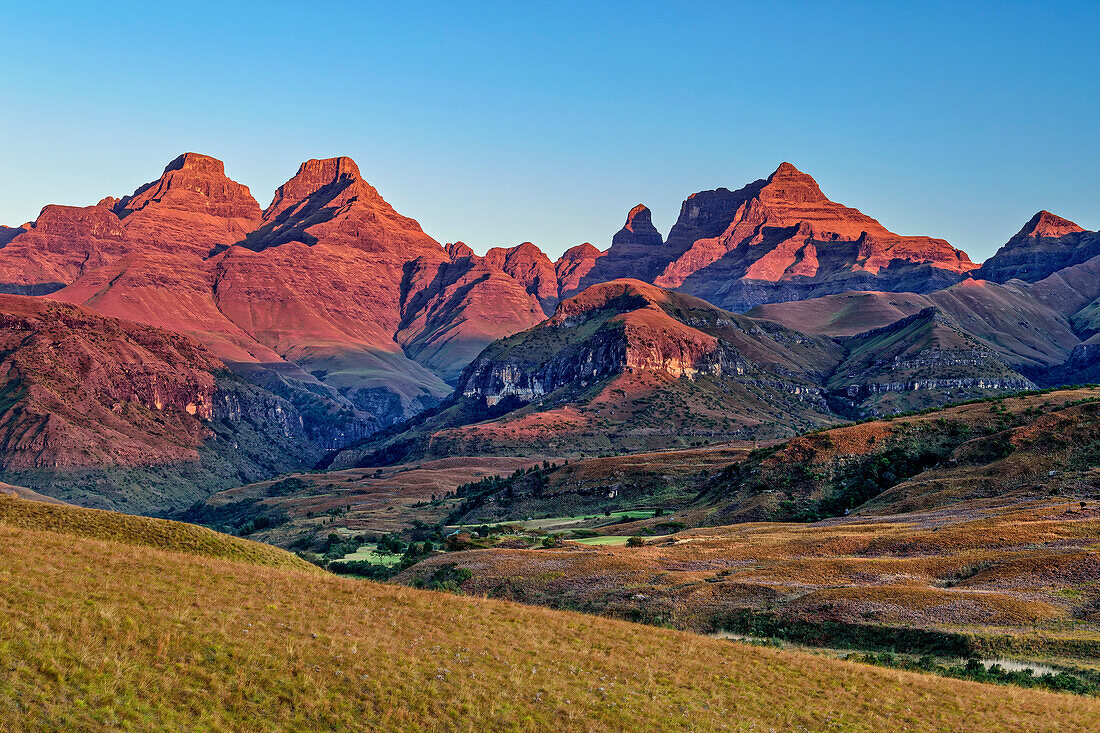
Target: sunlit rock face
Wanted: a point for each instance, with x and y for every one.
(775, 240)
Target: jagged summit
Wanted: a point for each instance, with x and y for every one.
(459, 250)
(328, 175)
(1046, 224)
(778, 238)
(787, 182)
(192, 183)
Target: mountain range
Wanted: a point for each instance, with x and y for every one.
(184, 330)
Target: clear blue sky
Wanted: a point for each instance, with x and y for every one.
(547, 122)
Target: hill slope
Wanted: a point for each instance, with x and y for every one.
(103, 411)
(155, 639)
(127, 529)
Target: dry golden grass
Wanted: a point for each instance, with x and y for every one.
(132, 530)
(97, 635)
(1032, 567)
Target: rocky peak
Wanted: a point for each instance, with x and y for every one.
(789, 184)
(530, 266)
(1046, 244)
(638, 229)
(639, 216)
(573, 265)
(329, 175)
(197, 163)
(1048, 225)
(327, 201)
(459, 250)
(577, 253)
(195, 183)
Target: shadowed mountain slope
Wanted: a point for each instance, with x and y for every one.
(102, 411)
(1046, 244)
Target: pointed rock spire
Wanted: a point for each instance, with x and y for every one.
(639, 229)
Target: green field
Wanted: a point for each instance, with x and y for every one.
(369, 553)
(609, 540)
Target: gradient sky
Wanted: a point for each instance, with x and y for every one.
(547, 122)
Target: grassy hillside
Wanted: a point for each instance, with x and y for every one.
(1018, 578)
(141, 531)
(1027, 445)
(97, 634)
(22, 492)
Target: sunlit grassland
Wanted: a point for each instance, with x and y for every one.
(129, 529)
(95, 634)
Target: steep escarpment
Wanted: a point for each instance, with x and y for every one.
(776, 239)
(924, 360)
(92, 405)
(63, 243)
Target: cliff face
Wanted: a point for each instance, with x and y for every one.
(627, 327)
(775, 240)
(1046, 244)
(87, 395)
(61, 245)
(529, 266)
(572, 267)
(193, 206)
(637, 251)
(924, 360)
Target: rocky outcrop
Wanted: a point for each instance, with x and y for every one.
(1046, 244)
(640, 328)
(637, 251)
